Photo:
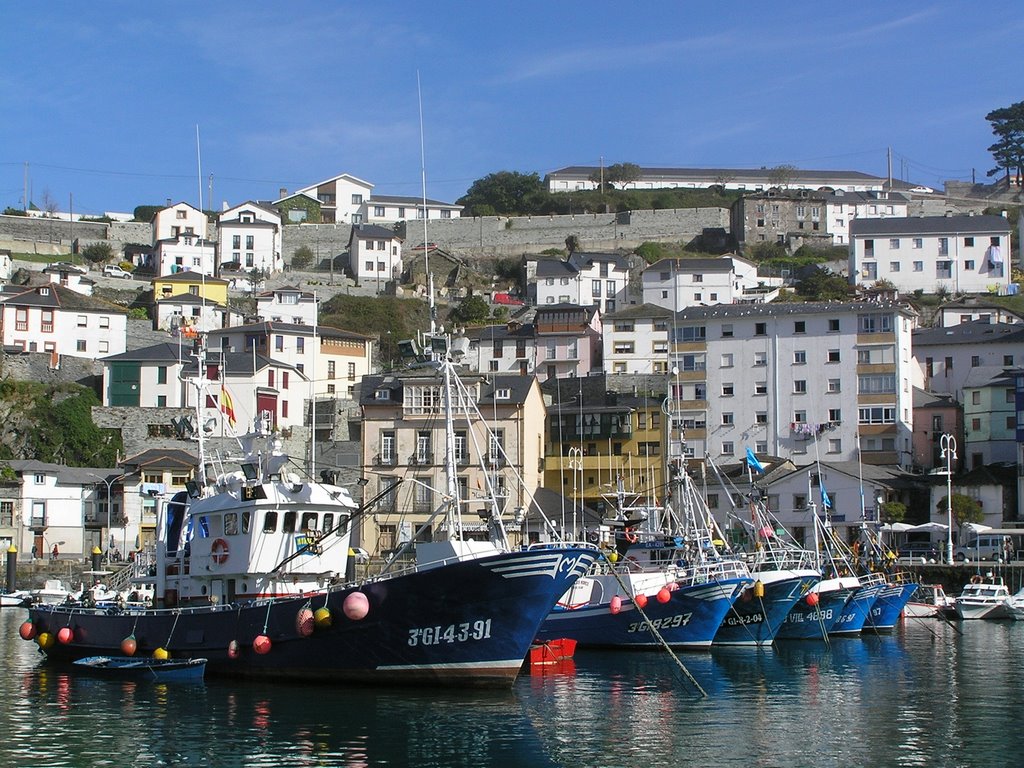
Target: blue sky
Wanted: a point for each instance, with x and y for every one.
(102, 99)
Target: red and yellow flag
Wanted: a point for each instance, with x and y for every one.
(227, 406)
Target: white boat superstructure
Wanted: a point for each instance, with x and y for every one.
(984, 598)
(932, 602)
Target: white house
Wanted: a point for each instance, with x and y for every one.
(375, 254)
(51, 318)
(250, 235)
(185, 253)
(636, 340)
(945, 357)
(387, 209)
(341, 198)
(679, 283)
(842, 207)
(585, 279)
(179, 219)
(148, 377)
(288, 305)
(70, 276)
(959, 254)
(52, 509)
(186, 310)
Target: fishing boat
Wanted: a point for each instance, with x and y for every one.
(667, 581)
(984, 597)
(155, 670)
(930, 601)
(891, 603)
(17, 599)
(858, 608)
(784, 571)
(251, 574)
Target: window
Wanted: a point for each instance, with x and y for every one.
(727, 389)
(878, 414)
(332, 369)
(357, 199)
(727, 420)
(917, 243)
(969, 264)
(800, 387)
(1007, 360)
(894, 243)
(876, 384)
(894, 266)
(387, 447)
(919, 266)
(279, 343)
(727, 360)
(690, 333)
(760, 387)
(975, 361)
(968, 242)
(300, 345)
(1010, 396)
(760, 358)
(80, 345)
(727, 448)
(727, 331)
(875, 323)
(800, 357)
(161, 374)
(698, 278)
(799, 416)
(835, 445)
(835, 415)
(595, 289)
(800, 326)
(369, 266)
(378, 210)
(833, 356)
(351, 371)
(1011, 422)
(833, 325)
(82, 321)
(760, 329)
(761, 417)
(624, 347)
(834, 385)
(975, 397)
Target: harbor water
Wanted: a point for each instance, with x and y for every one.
(924, 696)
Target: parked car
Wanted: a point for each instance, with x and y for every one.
(113, 270)
(917, 553)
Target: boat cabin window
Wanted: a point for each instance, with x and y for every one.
(328, 522)
(289, 523)
(231, 524)
(309, 521)
(270, 522)
(246, 522)
(204, 527)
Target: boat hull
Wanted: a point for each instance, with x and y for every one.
(756, 621)
(130, 668)
(465, 623)
(968, 611)
(887, 608)
(855, 613)
(689, 619)
(813, 622)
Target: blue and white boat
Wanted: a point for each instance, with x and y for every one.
(889, 606)
(857, 609)
(251, 575)
(143, 669)
(817, 613)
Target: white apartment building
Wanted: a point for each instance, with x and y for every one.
(249, 235)
(288, 305)
(958, 254)
(584, 279)
(50, 318)
(388, 209)
(680, 283)
(333, 359)
(179, 219)
(842, 207)
(795, 381)
(945, 357)
(636, 339)
(375, 255)
(185, 253)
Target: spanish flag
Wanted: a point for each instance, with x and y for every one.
(227, 406)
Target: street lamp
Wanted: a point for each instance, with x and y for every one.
(948, 444)
(110, 484)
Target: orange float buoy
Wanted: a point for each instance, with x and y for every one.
(812, 599)
(664, 595)
(615, 605)
(758, 588)
(304, 622)
(640, 600)
(261, 645)
(27, 630)
(322, 617)
(65, 635)
(161, 654)
(45, 640)
(129, 646)
(233, 649)
(356, 606)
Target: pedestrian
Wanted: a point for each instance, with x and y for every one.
(54, 553)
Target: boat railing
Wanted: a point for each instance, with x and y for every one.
(875, 578)
(784, 559)
(714, 570)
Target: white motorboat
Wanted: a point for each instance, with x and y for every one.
(53, 592)
(931, 602)
(984, 598)
(15, 599)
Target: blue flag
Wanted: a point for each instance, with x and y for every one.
(826, 502)
(752, 461)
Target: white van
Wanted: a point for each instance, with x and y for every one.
(991, 545)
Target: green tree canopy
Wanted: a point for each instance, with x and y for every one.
(97, 253)
(822, 285)
(965, 509)
(894, 511)
(472, 310)
(504, 193)
(146, 212)
(63, 431)
(1008, 151)
(302, 258)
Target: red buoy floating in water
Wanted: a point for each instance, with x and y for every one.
(615, 605)
(812, 599)
(664, 595)
(65, 635)
(356, 606)
(233, 649)
(641, 600)
(129, 646)
(322, 617)
(261, 645)
(27, 630)
(304, 622)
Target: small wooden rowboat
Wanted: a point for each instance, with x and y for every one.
(130, 668)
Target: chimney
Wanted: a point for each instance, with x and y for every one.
(282, 192)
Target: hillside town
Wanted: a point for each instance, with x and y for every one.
(593, 364)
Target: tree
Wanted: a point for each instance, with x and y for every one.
(97, 253)
(822, 285)
(572, 244)
(146, 212)
(472, 310)
(894, 511)
(965, 510)
(622, 173)
(782, 175)
(302, 258)
(504, 193)
(1008, 151)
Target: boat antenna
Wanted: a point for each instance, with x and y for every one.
(423, 186)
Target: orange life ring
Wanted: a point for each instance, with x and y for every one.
(219, 551)
(975, 579)
(630, 536)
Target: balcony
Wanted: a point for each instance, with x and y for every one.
(421, 459)
(382, 460)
